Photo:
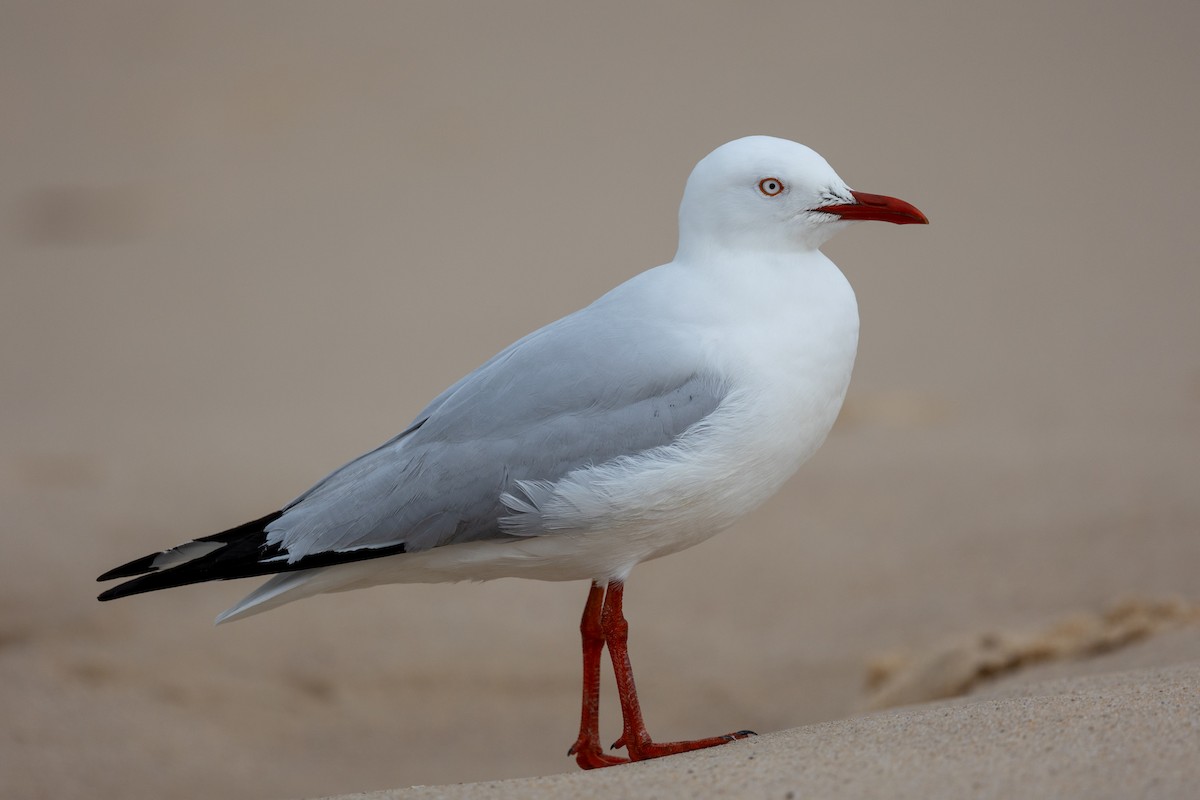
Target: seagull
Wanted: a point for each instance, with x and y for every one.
(634, 428)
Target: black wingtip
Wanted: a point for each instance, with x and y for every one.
(244, 553)
(147, 577)
(110, 594)
(142, 583)
(138, 566)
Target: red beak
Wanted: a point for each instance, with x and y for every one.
(877, 206)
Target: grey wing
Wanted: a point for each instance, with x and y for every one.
(573, 394)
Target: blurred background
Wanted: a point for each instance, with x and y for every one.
(241, 243)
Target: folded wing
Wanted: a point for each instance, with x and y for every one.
(568, 396)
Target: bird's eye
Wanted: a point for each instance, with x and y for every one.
(770, 186)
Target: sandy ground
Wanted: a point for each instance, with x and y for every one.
(1125, 734)
(241, 244)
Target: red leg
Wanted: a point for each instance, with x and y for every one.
(635, 737)
(587, 750)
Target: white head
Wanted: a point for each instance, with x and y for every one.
(772, 195)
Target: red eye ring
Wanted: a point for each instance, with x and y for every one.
(770, 186)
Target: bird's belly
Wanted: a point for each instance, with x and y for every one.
(606, 519)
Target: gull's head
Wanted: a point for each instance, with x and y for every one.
(773, 195)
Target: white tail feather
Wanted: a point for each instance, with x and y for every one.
(282, 588)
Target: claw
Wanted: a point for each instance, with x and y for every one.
(592, 758)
